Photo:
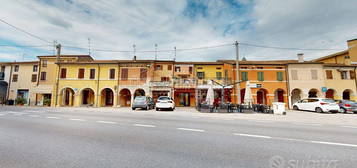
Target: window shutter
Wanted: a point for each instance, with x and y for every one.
(352, 74)
(63, 73)
(143, 73)
(280, 76)
(124, 74)
(244, 76)
(329, 74)
(81, 73)
(112, 73)
(34, 78)
(92, 74)
(261, 76)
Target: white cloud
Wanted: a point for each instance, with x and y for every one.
(118, 24)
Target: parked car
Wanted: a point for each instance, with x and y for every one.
(143, 102)
(347, 106)
(165, 102)
(319, 105)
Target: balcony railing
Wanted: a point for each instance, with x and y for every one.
(160, 83)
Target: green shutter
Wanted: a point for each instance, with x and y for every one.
(279, 76)
(261, 76)
(244, 76)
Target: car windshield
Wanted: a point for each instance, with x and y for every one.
(140, 98)
(328, 100)
(349, 102)
(164, 98)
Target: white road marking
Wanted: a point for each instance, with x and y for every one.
(107, 122)
(52, 117)
(33, 115)
(76, 119)
(2, 114)
(190, 129)
(346, 126)
(143, 125)
(334, 143)
(228, 119)
(18, 114)
(308, 124)
(255, 136)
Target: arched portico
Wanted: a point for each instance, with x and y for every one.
(313, 93)
(87, 97)
(107, 97)
(67, 97)
(3, 91)
(125, 98)
(347, 94)
(330, 93)
(279, 95)
(262, 96)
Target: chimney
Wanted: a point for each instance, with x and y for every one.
(300, 57)
(134, 58)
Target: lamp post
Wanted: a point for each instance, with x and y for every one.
(237, 73)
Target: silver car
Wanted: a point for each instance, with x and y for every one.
(143, 102)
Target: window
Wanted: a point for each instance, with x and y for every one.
(34, 78)
(164, 79)
(259, 67)
(294, 75)
(244, 76)
(261, 76)
(314, 74)
(329, 74)
(63, 73)
(199, 68)
(218, 75)
(92, 74)
(352, 74)
(111, 73)
(143, 73)
(124, 74)
(80, 73)
(190, 69)
(43, 76)
(169, 67)
(16, 68)
(243, 68)
(34, 68)
(344, 75)
(158, 67)
(15, 77)
(44, 63)
(200, 75)
(177, 69)
(279, 76)
(2, 68)
(279, 67)
(218, 68)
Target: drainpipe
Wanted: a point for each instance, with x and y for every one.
(98, 84)
(355, 79)
(287, 84)
(118, 97)
(8, 87)
(57, 82)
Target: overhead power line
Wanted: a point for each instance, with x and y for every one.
(24, 31)
(23, 46)
(287, 48)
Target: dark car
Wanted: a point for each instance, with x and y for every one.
(347, 106)
(143, 102)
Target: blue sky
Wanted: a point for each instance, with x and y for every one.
(118, 24)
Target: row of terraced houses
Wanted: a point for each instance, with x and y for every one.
(80, 80)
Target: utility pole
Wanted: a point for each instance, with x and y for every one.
(155, 52)
(237, 74)
(88, 46)
(58, 48)
(175, 53)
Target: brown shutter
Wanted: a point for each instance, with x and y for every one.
(112, 73)
(43, 75)
(143, 73)
(81, 73)
(14, 78)
(63, 73)
(124, 74)
(190, 70)
(352, 74)
(34, 78)
(329, 74)
(169, 67)
(92, 74)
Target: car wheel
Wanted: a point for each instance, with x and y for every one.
(295, 108)
(319, 110)
(133, 108)
(344, 110)
(157, 109)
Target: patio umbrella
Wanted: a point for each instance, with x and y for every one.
(248, 99)
(210, 94)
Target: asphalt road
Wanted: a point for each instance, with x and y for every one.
(45, 137)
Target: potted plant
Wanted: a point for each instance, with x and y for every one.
(46, 102)
(20, 101)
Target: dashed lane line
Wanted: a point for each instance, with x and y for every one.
(298, 140)
(308, 124)
(190, 129)
(33, 115)
(347, 126)
(106, 122)
(252, 135)
(144, 125)
(51, 117)
(77, 119)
